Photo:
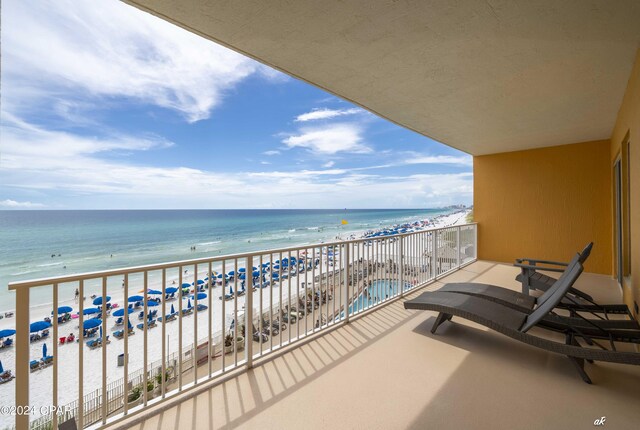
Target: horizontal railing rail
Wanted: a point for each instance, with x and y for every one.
(231, 310)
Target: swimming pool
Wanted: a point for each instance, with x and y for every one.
(378, 291)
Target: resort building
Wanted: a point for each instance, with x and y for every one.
(545, 95)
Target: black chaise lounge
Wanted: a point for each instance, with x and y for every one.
(525, 303)
(531, 278)
(516, 324)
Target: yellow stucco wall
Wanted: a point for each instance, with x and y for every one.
(628, 122)
(545, 203)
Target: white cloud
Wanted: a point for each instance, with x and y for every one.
(329, 139)
(19, 205)
(465, 160)
(317, 114)
(106, 48)
(273, 152)
(328, 164)
(70, 171)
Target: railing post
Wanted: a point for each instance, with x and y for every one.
(347, 261)
(401, 265)
(458, 246)
(22, 357)
(248, 324)
(435, 254)
(475, 241)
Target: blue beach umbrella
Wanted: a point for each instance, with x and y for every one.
(92, 323)
(173, 311)
(90, 311)
(230, 290)
(129, 326)
(275, 275)
(38, 326)
(98, 300)
(276, 267)
(100, 332)
(64, 309)
(256, 273)
(189, 304)
(242, 270)
(186, 285)
(171, 290)
(44, 350)
(1, 368)
(200, 296)
(200, 282)
(232, 273)
(7, 332)
(242, 276)
(136, 298)
(154, 292)
(120, 312)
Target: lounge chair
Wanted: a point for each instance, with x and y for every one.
(523, 303)
(6, 376)
(46, 361)
(34, 365)
(151, 325)
(531, 278)
(202, 307)
(97, 343)
(169, 317)
(516, 324)
(120, 333)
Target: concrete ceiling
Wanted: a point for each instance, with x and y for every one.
(480, 76)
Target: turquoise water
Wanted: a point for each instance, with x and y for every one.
(376, 293)
(37, 244)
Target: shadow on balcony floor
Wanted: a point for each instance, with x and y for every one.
(387, 371)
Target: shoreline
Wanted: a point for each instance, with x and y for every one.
(454, 218)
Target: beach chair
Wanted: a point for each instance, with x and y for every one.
(516, 324)
(34, 365)
(532, 279)
(97, 343)
(526, 304)
(141, 315)
(169, 317)
(6, 376)
(151, 325)
(202, 307)
(120, 333)
(119, 321)
(7, 342)
(63, 340)
(47, 361)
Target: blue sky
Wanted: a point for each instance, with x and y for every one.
(107, 107)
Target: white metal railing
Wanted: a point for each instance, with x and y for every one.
(288, 294)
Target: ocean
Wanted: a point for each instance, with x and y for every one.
(39, 244)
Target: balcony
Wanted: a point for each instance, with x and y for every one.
(386, 370)
(268, 301)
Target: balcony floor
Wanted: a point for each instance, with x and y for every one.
(387, 371)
